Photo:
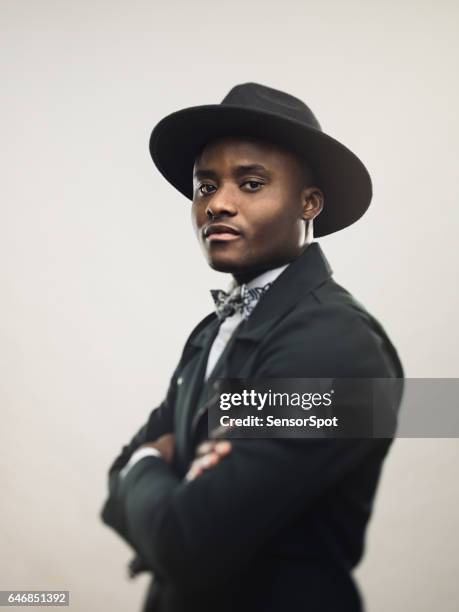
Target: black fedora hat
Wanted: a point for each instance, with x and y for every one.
(251, 109)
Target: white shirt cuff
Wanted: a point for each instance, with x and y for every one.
(137, 455)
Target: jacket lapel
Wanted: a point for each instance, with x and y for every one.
(189, 382)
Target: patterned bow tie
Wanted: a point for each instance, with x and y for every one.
(239, 299)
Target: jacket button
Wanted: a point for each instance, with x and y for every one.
(179, 380)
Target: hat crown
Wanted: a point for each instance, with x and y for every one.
(261, 97)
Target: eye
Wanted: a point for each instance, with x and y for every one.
(201, 187)
(255, 184)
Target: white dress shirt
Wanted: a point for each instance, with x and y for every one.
(225, 332)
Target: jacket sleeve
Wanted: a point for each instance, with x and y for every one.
(193, 532)
(160, 421)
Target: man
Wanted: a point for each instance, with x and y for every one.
(266, 524)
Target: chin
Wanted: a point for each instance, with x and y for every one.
(226, 264)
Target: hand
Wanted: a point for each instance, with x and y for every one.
(165, 445)
(208, 454)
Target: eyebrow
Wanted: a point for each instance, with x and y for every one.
(236, 172)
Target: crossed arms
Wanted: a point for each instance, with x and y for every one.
(191, 531)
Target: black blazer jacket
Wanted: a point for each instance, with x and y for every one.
(279, 524)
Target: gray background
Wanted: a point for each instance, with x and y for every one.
(102, 278)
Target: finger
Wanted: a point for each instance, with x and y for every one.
(193, 472)
(205, 462)
(208, 461)
(222, 448)
(197, 467)
(205, 447)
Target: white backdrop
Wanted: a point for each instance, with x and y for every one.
(97, 252)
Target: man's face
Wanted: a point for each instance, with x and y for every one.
(258, 191)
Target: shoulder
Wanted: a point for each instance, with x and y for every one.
(330, 333)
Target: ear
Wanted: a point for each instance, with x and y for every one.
(312, 200)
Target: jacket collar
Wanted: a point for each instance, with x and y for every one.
(303, 275)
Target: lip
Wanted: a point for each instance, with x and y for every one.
(220, 231)
(222, 236)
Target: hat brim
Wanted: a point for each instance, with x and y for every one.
(177, 139)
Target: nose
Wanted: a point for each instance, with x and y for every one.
(221, 204)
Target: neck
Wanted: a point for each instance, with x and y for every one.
(246, 276)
